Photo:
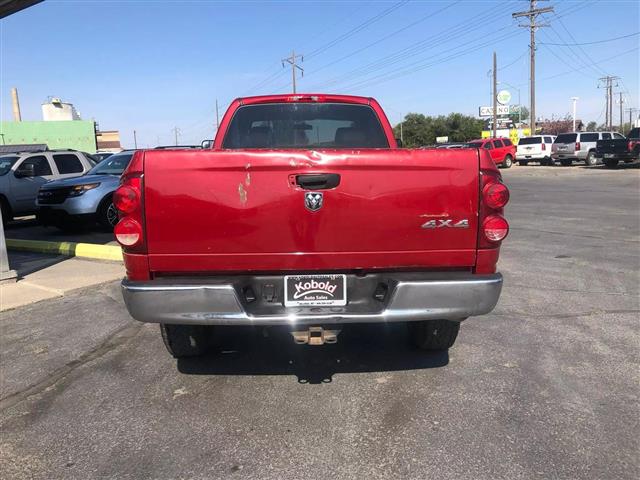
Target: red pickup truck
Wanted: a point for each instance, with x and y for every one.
(305, 213)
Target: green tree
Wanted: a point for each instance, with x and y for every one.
(419, 130)
(591, 126)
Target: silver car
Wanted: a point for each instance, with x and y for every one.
(81, 201)
(22, 175)
(579, 146)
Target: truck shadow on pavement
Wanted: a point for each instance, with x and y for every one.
(27, 228)
(620, 166)
(360, 348)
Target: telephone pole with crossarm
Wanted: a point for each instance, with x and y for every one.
(292, 61)
(532, 14)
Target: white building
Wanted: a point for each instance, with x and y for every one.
(57, 110)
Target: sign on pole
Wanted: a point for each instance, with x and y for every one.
(488, 111)
(502, 110)
(503, 97)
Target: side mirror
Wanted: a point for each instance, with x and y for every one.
(206, 144)
(26, 170)
(399, 142)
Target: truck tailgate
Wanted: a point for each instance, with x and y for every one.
(616, 145)
(209, 211)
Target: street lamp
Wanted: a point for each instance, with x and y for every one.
(575, 99)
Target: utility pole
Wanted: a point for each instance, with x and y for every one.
(621, 101)
(217, 116)
(532, 14)
(292, 61)
(608, 85)
(495, 94)
(575, 100)
(631, 110)
(135, 140)
(176, 131)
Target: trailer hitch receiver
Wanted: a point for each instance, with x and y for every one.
(315, 336)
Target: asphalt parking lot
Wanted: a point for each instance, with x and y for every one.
(544, 387)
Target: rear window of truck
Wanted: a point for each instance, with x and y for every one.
(305, 125)
(530, 141)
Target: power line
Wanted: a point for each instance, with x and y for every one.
(596, 69)
(454, 33)
(567, 72)
(514, 61)
(356, 29)
(386, 37)
(590, 43)
(418, 66)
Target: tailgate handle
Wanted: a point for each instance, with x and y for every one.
(318, 181)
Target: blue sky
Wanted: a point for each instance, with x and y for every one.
(152, 66)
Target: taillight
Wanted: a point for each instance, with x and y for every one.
(630, 146)
(544, 146)
(496, 195)
(495, 228)
(577, 146)
(127, 198)
(128, 232)
(493, 198)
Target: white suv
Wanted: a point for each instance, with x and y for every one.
(580, 146)
(536, 148)
(22, 174)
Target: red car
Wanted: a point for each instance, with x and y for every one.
(306, 214)
(502, 150)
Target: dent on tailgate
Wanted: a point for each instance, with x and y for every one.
(240, 211)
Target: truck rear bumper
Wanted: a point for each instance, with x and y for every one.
(409, 297)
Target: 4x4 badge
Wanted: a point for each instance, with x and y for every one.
(313, 201)
(446, 224)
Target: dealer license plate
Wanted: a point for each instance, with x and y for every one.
(609, 155)
(315, 290)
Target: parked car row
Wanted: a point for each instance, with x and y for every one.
(613, 150)
(75, 202)
(22, 175)
(63, 188)
(587, 147)
(536, 148)
(501, 150)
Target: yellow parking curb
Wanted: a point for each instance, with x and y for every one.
(73, 249)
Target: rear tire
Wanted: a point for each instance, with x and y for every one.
(186, 340)
(508, 161)
(433, 335)
(611, 163)
(107, 215)
(591, 159)
(566, 162)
